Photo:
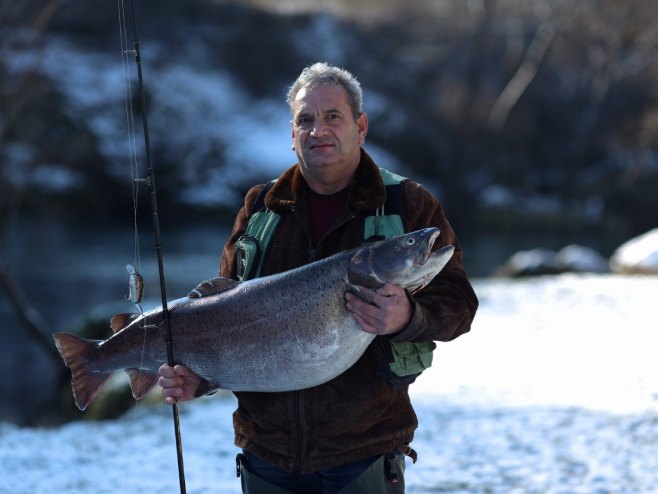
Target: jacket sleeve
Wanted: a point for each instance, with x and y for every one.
(228, 263)
(445, 308)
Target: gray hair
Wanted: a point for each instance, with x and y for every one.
(323, 73)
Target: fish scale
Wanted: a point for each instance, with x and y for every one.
(292, 359)
(282, 332)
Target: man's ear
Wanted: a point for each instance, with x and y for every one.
(362, 124)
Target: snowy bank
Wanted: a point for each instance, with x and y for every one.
(555, 390)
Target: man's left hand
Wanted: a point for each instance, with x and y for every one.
(389, 312)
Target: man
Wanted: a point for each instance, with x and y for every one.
(351, 433)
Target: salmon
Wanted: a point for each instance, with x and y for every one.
(282, 332)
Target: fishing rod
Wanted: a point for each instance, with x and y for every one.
(150, 182)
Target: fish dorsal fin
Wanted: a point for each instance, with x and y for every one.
(210, 287)
(120, 321)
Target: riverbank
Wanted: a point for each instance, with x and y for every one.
(554, 391)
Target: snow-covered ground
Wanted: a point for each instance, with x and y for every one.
(555, 390)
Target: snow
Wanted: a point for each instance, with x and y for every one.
(638, 255)
(570, 340)
(192, 99)
(555, 390)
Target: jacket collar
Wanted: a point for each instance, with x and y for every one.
(367, 191)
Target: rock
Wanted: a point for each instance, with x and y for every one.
(637, 256)
(580, 259)
(533, 262)
(542, 261)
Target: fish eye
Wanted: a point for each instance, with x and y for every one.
(411, 241)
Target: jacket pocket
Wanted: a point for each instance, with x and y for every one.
(248, 253)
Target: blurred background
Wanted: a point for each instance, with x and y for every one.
(534, 122)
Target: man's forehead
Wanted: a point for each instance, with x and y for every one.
(324, 96)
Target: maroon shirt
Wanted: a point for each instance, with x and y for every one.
(324, 210)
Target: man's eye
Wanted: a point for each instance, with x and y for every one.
(303, 120)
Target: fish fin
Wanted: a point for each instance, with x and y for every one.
(366, 297)
(205, 387)
(210, 287)
(120, 321)
(75, 352)
(141, 382)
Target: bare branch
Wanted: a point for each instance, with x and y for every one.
(525, 74)
(31, 318)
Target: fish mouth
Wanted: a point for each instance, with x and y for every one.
(407, 261)
(430, 263)
(426, 253)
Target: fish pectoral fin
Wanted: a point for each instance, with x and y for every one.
(366, 297)
(141, 382)
(212, 286)
(120, 321)
(205, 387)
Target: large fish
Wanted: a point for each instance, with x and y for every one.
(276, 333)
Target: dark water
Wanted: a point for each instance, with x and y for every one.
(69, 271)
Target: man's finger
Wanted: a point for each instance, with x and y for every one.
(166, 371)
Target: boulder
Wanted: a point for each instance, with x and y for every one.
(580, 259)
(637, 256)
(542, 261)
(533, 262)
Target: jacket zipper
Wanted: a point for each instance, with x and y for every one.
(297, 398)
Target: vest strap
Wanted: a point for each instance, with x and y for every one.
(404, 361)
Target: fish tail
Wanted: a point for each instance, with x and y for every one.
(76, 352)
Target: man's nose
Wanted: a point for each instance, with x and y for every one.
(319, 128)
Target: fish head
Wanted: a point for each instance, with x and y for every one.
(407, 261)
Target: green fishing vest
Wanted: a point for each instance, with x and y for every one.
(406, 360)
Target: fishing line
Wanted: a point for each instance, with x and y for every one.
(134, 293)
(150, 182)
(130, 124)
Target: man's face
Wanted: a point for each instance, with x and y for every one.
(325, 135)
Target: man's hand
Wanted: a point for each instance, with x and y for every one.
(178, 383)
(389, 312)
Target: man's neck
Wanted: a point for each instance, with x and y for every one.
(330, 180)
(329, 188)
(324, 209)
(328, 183)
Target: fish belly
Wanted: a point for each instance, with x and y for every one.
(280, 335)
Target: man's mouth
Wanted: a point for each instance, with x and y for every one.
(322, 145)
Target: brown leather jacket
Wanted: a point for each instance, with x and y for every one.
(358, 414)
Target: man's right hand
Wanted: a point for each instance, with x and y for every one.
(178, 383)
